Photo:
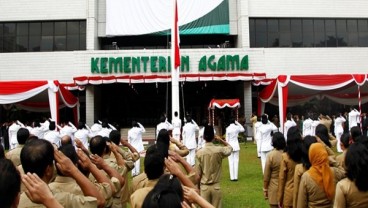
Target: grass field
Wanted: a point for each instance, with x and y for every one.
(247, 191)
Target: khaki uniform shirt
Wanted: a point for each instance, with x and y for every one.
(14, 155)
(137, 198)
(286, 180)
(348, 195)
(312, 195)
(271, 174)
(139, 181)
(208, 162)
(298, 172)
(64, 198)
(341, 159)
(327, 122)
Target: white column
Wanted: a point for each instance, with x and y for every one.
(92, 40)
(247, 100)
(243, 24)
(90, 104)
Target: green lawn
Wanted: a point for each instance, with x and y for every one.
(247, 191)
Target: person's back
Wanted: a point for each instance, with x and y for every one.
(14, 154)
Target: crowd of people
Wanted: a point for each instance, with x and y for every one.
(301, 168)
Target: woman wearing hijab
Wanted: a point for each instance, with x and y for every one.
(317, 185)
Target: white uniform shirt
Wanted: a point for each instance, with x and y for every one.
(256, 127)
(105, 132)
(38, 132)
(13, 129)
(95, 128)
(264, 134)
(288, 124)
(135, 137)
(53, 137)
(201, 141)
(68, 130)
(83, 135)
(176, 123)
(307, 127)
(189, 136)
(339, 129)
(232, 132)
(315, 123)
(353, 118)
(163, 125)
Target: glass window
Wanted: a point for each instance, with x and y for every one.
(47, 43)
(352, 32)
(285, 33)
(9, 44)
(363, 33)
(72, 42)
(47, 28)
(319, 33)
(9, 29)
(73, 28)
(296, 32)
(1, 37)
(60, 43)
(22, 29)
(273, 33)
(60, 28)
(261, 33)
(35, 28)
(331, 40)
(341, 32)
(34, 43)
(82, 27)
(22, 44)
(308, 40)
(252, 33)
(82, 42)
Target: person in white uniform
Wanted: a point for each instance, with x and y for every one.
(164, 124)
(232, 132)
(135, 139)
(13, 129)
(307, 127)
(96, 127)
(52, 135)
(67, 129)
(189, 138)
(289, 123)
(176, 123)
(339, 130)
(353, 118)
(106, 129)
(258, 140)
(83, 134)
(265, 134)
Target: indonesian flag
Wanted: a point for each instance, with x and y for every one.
(176, 38)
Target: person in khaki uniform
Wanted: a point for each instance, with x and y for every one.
(14, 154)
(344, 146)
(353, 190)
(290, 159)
(317, 185)
(37, 157)
(208, 167)
(272, 169)
(154, 165)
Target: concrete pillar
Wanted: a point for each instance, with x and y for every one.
(243, 24)
(92, 26)
(247, 100)
(92, 94)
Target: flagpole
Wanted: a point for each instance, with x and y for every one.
(175, 62)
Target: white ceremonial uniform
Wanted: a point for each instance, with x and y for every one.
(189, 140)
(288, 124)
(307, 127)
(163, 125)
(353, 118)
(264, 134)
(135, 139)
(53, 137)
(339, 130)
(176, 123)
(258, 140)
(68, 130)
(314, 125)
(95, 128)
(83, 135)
(13, 141)
(201, 141)
(105, 132)
(232, 132)
(38, 132)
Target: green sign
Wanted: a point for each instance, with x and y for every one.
(161, 64)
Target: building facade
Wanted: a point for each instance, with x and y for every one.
(67, 41)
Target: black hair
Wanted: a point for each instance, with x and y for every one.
(135, 124)
(154, 162)
(9, 183)
(52, 126)
(264, 119)
(322, 133)
(167, 193)
(307, 142)
(69, 151)
(288, 116)
(163, 142)
(97, 145)
(36, 123)
(294, 144)
(115, 136)
(208, 133)
(278, 141)
(356, 162)
(81, 125)
(345, 140)
(188, 118)
(22, 135)
(204, 122)
(105, 123)
(355, 132)
(162, 119)
(2, 152)
(36, 156)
